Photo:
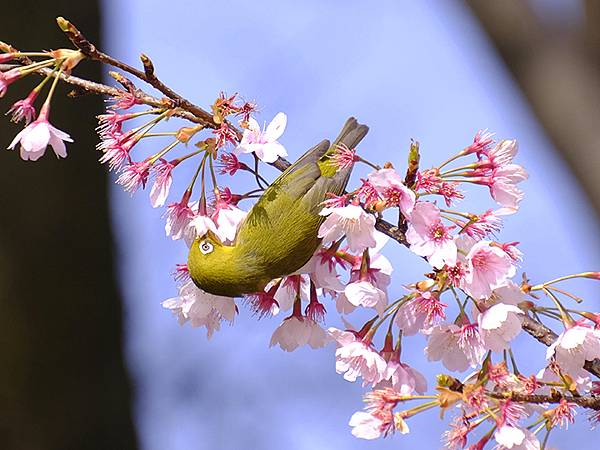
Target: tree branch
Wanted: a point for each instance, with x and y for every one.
(591, 401)
(185, 109)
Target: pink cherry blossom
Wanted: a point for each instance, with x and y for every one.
(230, 164)
(364, 293)
(162, 182)
(315, 310)
(499, 325)
(24, 109)
(202, 224)
(7, 78)
(483, 225)
(482, 143)
(456, 437)
(124, 100)
(344, 157)
(179, 215)
(322, 268)
(430, 182)
(288, 289)
(134, 176)
(378, 419)
(228, 217)
(200, 308)
(391, 188)
(403, 379)
(509, 294)
(264, 144)
(38, 135)
(355, 358)
(574, 346)
(563, 414)
(488, 268)
(580, 376)
(368, 193)
(503, 152)
(366, 426)
(116, 148)
(225, 134)
(351, 221)
(515, 438)
(429, 237)
(295, 332)
(110, 124)
(457, 347)
(420, 313)
(502, 182)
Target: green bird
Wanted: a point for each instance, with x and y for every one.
(279, 234)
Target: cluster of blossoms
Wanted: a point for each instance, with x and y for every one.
(469, 267)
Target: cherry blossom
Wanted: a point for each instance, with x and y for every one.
(366, 426)
(264, 144)
(200, 308)
(351, 221)
(483, 225)
(179, 215)
(230, 164)
(391, 188)
(116, 149)
(402, 378)
(428, 236)
(499, 325)
(322, 268)
(420, 313)
(488, 268)
(580, 376)
(7, 78)
(162, 183)
(481, 145)
(355, 358)
(515, 438)
(344, 157)
(228, 217)
(24, 109)
(295, 332)
(457, 347)
(503, 152)
(574, 346)
(364, 293)
(38, 135)
(202, 224)
(134, 176)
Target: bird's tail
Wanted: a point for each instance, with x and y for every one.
(333, 177)
(351, 135)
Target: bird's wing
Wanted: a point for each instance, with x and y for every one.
(288, 188)
(280, 231)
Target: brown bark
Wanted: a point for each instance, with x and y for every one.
(63, 383)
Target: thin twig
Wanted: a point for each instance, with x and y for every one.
(591, 401)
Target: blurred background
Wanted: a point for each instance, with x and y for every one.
(90, 359)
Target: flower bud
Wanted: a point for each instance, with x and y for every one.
(186, 133)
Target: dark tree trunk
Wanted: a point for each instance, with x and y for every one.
(63, 383)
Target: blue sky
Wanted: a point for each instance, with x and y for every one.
(420, 70)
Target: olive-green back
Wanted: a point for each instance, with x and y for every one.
(280, 233)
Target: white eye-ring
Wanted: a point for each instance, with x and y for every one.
(205, 247)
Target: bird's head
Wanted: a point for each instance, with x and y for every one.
(206, 250)
(211, 264)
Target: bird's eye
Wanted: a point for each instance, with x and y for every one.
(206, 247)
